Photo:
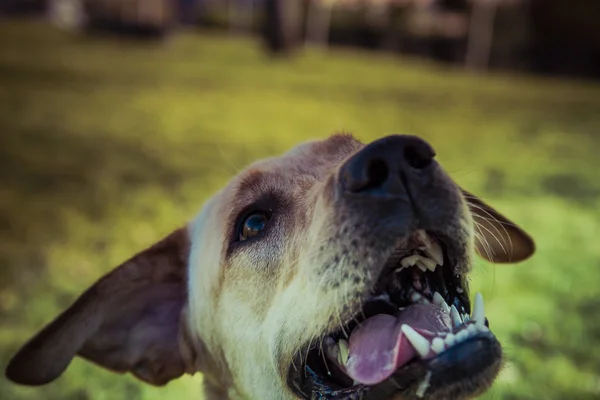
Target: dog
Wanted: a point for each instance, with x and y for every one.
(335, 271)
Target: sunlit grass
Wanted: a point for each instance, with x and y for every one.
(107, 146)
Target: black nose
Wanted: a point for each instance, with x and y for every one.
(387, 167)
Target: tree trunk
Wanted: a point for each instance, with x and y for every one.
(481, 34)
(281, 30)
(318, 20)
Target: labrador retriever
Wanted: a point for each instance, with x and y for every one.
(335, 271)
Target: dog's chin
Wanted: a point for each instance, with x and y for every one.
(413, 337)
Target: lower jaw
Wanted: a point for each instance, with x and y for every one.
(463, 371)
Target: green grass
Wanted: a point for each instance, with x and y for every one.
(106, 146)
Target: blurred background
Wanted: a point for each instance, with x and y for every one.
(118, 118)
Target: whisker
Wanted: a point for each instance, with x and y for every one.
(324, 358)
(484, 242)
(494, 236)
(494, 219)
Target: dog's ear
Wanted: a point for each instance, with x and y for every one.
(129, 320)
(498, 239)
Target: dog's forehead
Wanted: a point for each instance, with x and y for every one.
(331, 150)
(314, 160)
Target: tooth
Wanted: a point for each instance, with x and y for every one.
(421, 265)
(478, 314)
(471, 330)
(455, 316)
(429, 263)
(438, 300)
(434, 251)
(415, 297)
(437, 345)
(342, 357)
(461, 336)
(465, 317)
(450, 340)
(482, 328)
(409, 261)
(420, 344)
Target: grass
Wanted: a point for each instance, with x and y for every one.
(107, 146)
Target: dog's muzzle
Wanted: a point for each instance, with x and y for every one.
(413, 333)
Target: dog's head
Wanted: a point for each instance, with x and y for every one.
(336, 271)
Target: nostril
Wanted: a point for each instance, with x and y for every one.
(418, 157)
(377, 174)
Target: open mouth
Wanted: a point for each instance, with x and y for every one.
(415, 335)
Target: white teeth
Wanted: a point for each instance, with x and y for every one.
(471, 330)
(420, 344)
(437, 345)
(450, 340)
(455, 316)
(461, 336)
(342, 356)
(408, 261)
(429, 263)
(478, 314)
(439, 301)
(466, 317)
(423, 263)
(434, 251)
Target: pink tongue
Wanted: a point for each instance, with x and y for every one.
(378, 347)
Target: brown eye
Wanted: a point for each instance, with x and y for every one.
(253, 225)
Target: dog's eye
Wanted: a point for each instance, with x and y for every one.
(253, 225)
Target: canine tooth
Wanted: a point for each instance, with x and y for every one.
(450, 340)
(478, 314)
(466, 317)
(482, 328)
(434, 251)
(420, 344)
(342, 357)
(455, 316)
(461, 336)
(438, 300)
(437, 345)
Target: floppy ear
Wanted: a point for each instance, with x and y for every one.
(498, 239)
(129, 320)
